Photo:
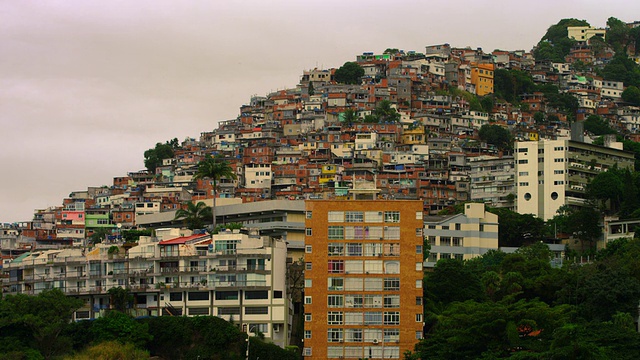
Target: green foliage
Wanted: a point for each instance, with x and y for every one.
(120, 327)
(617, 35)
(153, 157)
(384, 112)
(39, 320)
(349, 73)
(310, 89)
(230, 226)
(555, 44)
(516, 229)
(487, 103)
(597, 126)
(451, 281)
(631, 95)
(565, 103)
(121, 299)
(259, 349)
(350, 116)
(214, 168)
(496, 135)
(391, 51)
(99, 234)
(134, 235)
(111, 350)
(195, 215)
(511, 84)
(621, 68)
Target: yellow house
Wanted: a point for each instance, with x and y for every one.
(482, 78)
(327, 174)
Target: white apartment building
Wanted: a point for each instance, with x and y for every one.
(584, 33)
(234, 274)
(552, 173)
(461, 236)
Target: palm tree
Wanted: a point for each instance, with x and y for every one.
(214, 168)
(194, 215)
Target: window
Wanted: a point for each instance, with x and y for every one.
(336, 266)
(307, 283)
(457, 241)
(419, 249)
(419, 335)
(353, 335)
(335, 284)
(418, 300)
(175, 296)
(307, 249)
(391, 318)
(523, 173)
(419, 231)
(418, 284)
(419, 215)
(307, 334)
(226, 295)
(334, 318)
(524, 161)
(256, 310)
(445, 241)
(309, 231)
(391, 284)
(335, 301)
(418, 317)
(306, 351)
(336, 233)
(308, 266)
(256, 295)
(353, 284)
(373, 284)
(392, 216)
(354, 249)
(335, 249)
(336, 216)
(308, 214)
(373, 318)
(198, 296)
(354, 216)
(373, 216)
(334, 335)
(392, 301)
(392, 233)
(307, 317)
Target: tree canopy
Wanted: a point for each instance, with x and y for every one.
(496, 135)
(153, 157)
(349, 73)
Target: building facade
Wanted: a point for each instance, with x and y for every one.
(461, 236)
(553, 173)
(233, 275)
(363, 278)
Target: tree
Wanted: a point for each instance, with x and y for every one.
(451, 281)
(631, 95)
(121, 299)
(516, 229)
(111, 350)
(195, 215)
(538, 116)
(496, 135)
(99, 234)
(214, 168)
(153, 157)
(350, 116)
(487, 103)
(555, 44)
(597, 126)
(310, 89)
(120, 327)
(607, 187)
(349, 73)
(384, 112)
(41, 319)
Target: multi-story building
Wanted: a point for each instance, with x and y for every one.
(492, 180)
(482, 78)
(233, 274)
(363, 278)
(553, 173)
(461, 236)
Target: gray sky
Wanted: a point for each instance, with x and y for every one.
(87, 86)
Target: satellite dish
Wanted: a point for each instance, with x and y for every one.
(119, 225)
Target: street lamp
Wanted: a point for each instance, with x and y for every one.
(249, 331)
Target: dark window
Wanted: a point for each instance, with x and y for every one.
(226, 295)
(200, 295)
(174, 312)
(175, 296)
(256, 295)
(262, 310)
(198, 311)
(277, 294)
(228, 311)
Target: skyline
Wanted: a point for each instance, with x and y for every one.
(87, 88)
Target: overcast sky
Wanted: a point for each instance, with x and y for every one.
(87, 86)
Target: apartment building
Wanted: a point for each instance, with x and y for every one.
(461, 236)
(235, 275)
(552, 173)
(363, 278)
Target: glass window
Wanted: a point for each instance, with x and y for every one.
(354, 216)
(334, 318)
(392, 284)
(392, 216)
(336, 233)
(336, 216)
(335, 301)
